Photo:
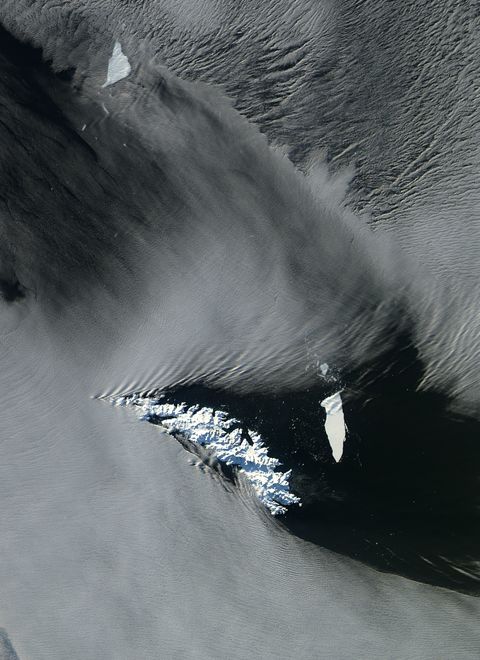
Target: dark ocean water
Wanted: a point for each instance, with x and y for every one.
(264, 190)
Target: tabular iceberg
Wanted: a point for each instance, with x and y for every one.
(118, 66)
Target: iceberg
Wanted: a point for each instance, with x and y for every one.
(118, 66)
(335, 424)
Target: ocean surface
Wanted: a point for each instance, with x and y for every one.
(239, 329)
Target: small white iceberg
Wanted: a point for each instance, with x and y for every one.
(335, 424)
(225, 438)
(324, 368)
(118, 66)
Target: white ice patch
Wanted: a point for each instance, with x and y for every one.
(335, 424)
(118, 66)
(221, 434)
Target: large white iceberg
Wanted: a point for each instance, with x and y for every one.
(335, 424)
(225, 438)
(118, 66)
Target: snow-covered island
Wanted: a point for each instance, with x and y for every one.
(224, 436)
